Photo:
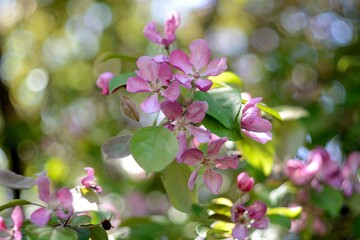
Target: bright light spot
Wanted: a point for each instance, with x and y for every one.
(10, 13)
(10, 68)
(131, 167)
(250, 68)
(293, 20)
(56, 51)
(28, 98)
(20, 42)
(4, 163)
(37, 79)
(265, 39)
(176, 216)
(304, 76)
(341, 32)
(97, 17)
(227, 41)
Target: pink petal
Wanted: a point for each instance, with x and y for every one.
(149, 69)
(227, 162)
(172, 110)
(41, 217)
(161, 59)
(199, 53)
(257, 210)
(244, 182)
(43, 183)
(151, 104)
(151, 33)
(3, 226)
(181, 137)
(192, 179)
(251, 103)
(261, 137)
(261, 224)
(202, 135)
(213, 180)
(165, 74)
(196, 111)
(137, 84)
(240, 232)
(203, 84)
(17, 235)
(172, 93)
(65, 199)
(192, 156)
(184, 79)
(17, 217)
(215, 67)
(181, 61)
(103, 82)
(214, 147)
(171, 25)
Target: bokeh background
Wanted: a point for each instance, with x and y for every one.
(53, 117)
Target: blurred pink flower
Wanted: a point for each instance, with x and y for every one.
(198, 66)
(103, 82)
(89, 180)
(253, 125)
(210, 162)
(171, 24)
(349, 171)
(60, 203)
(17, 217)
(247, 218)
(244, 182)
(155, 78)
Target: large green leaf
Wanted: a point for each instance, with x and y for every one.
(51, 233)
(224, 105)
(14, 203)
(260, 156)
(220, 130)
(119, 81)
(175, 178)
(329, 199)
(153, 148)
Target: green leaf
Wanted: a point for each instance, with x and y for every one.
(224, 105)
(329, 199)
(220, 217)
(260, 156)
(119, 81)
(220, 130)
(226, 78)
(175, 178)
(98, 233)
(356, 226)
(13, 180)
(80, 220)
(14, 203)
(50, 233)
(153, 148)
(290, 212)
(119, 56)
(280, 220)
(347, 62)
(83, 233)
(117, 147)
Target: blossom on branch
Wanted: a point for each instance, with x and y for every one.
(253, 125)
(210, 162)
(17, 217)
(89, 180)
(198, 66)
(171, 24)
(244, 182)
(59, 202)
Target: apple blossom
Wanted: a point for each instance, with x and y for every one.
(17, 217)
(89, 180)
(103, 82)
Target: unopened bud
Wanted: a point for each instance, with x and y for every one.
(245, 182)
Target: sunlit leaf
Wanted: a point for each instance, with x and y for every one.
(119, 81)
(117, 147)
(14, 203)
(329, 199)
(290, 212)
(175, 178)
(347, 62)
(220, 209)
(226, 78)
(153, 148)
(260, 156)
(80, 220)
(119, 56)
(224, 105)
(98, 233)
(16, 181)
(222, 201)
(290, 113)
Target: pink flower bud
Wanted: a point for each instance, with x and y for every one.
(103, 82)
(245, 182)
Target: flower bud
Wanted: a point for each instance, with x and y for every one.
(245, 182)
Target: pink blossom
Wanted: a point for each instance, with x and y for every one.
(298, 172)
(198, 66)
(253, 125)
(103, 82)
(350, 182)
(182, 121)
(171, 24)
(210, 162)
(17, 217)
(155, 78)
(89, 180)
(247, 218)
(244, 182)
(60, 203)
